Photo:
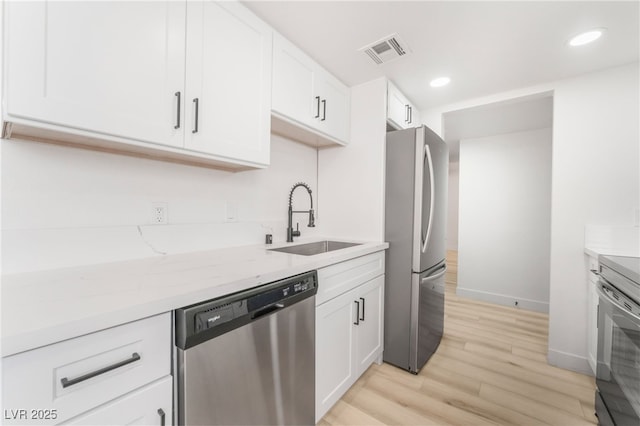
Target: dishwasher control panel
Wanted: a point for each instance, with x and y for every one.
(203, 321)
(219, 315)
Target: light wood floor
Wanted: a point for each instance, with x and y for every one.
(490, 368)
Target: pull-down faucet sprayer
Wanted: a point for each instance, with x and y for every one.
(290, 232)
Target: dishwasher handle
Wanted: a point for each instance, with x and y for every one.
(266, 310)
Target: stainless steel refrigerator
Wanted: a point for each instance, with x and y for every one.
(417, 163)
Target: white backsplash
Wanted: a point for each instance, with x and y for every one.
(64, 207)
(614, 240)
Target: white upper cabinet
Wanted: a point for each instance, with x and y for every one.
(401, 114)
(112, 68)
(228, 86)
(333, 114)
(307, 96)
(293, 78)
(126, 75)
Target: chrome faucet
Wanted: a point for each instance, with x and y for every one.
(290, 232)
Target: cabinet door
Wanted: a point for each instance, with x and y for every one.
(370, 328)
(397, 108)
(334, 350)
(592, 314)
(334, 113)
(228, 82)
(293, 80)
(414, 117)
(111, 68)
(150, 405)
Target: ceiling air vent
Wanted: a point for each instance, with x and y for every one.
(386, 49)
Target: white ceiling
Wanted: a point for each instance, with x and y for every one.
(485, 47)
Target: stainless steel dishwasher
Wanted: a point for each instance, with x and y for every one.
(249, 358)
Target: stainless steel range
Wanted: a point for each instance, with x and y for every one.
(618, 370)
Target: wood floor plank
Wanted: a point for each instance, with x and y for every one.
(346, 414)
(476, 405)
(490, 368)
(399, 376)
(523, 375)
(452, 379)
(589, 412)
(538, 393)
(530, 407)
(390, 412)
(482, 334)
(443, 412)
(524, 353)
(541, 368)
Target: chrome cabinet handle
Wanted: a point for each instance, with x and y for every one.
(363, 308)
(70, 382)
(162, 415)
(317, 107)
(178, 95)
(196, 101)
(410, 114)
(324, 110)
(357, 312)
(406, 113)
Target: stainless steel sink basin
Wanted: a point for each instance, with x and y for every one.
(310, 249)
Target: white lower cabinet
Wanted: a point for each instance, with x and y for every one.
(592, 315)
(150, 405)
(370, 326)
(349, 329)
(113, 375)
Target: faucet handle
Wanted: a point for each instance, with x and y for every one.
(296, 233)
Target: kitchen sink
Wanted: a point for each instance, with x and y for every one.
(318, 247)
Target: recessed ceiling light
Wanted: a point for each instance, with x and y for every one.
(586, 37)
(440, 81)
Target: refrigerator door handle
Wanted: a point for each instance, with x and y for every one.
(434, 277)
(425, 239)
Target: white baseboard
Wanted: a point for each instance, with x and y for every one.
(501, 299)
(569, 361)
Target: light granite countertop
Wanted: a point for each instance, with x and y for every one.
(40, 308)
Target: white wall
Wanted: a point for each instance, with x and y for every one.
(352, 180)
(453, 205)
(504, 221)
(66, 206)
(595, 180)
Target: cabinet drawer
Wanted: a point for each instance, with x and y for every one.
(342, 277)
(150, 405)
(75, 375)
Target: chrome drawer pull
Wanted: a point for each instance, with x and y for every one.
(162, 415)
(66, 382)
(177, 126)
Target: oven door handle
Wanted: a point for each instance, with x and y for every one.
(604, 294)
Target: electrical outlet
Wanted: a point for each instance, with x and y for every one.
(231, 212)
(159, 213)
